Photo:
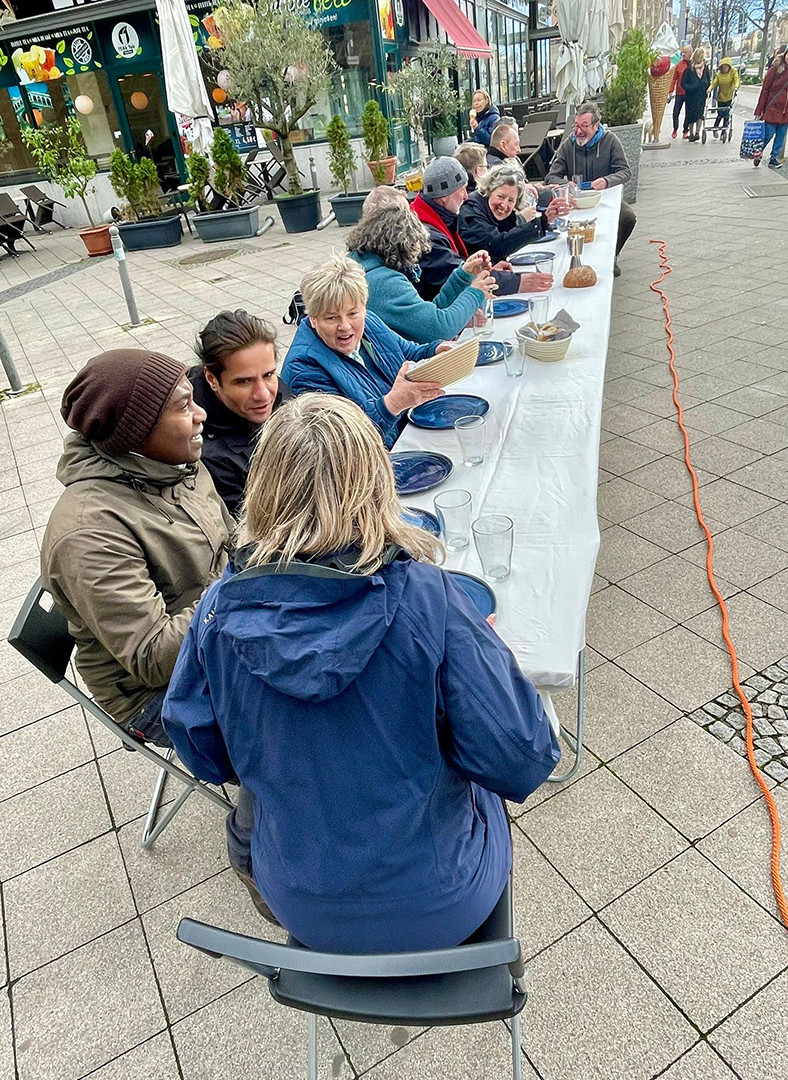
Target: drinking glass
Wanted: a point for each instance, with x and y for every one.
(484, 319)
(454, 514)
(540, 308)
(577, 180)
(562, 193)
(470, 434)
(493, 536)
(515, 362)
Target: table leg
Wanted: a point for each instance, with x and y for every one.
(575, 743)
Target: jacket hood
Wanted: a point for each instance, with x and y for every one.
(81, 460)
(595, 138)
(368, 261)
(311, 630)
(726, 60)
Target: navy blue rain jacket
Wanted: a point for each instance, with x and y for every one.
(378, 721)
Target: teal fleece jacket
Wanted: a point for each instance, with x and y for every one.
(393, 298)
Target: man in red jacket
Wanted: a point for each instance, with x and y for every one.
(677, 89)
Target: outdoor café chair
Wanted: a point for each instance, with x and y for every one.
(44, 212)
(264, 175)
(40, 633)
(12, 222)
(479, 981)
(532, 137)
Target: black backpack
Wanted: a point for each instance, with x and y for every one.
(295, 311)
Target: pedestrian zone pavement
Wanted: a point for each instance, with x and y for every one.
(643, 899)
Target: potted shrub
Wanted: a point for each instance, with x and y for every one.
(342, 163)
(429, 102)
(61, 156)
(375, 131)
(227, 223)
(625, 99)
(137, 183)
(279, 64)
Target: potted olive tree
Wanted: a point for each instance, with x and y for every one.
(342, 163)
(60, 154)
(230, 221)
(429, 102)
(625, 99)
(279, 64)
(375, 132)
(137, 183)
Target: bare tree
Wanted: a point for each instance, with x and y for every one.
(761, 13)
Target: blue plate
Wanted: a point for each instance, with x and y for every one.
(423, 519)
(548, 237)
(419, 470)
(504, 308)
(479, 592)
(536, 259)
(492, 352)
(442, 412)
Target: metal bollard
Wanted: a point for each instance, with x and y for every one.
(9, 366)
(120, 257)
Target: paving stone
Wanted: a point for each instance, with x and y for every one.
(776, 770)
(616, 621)
(700, 1063)
(721, 731)
(768, 697)
(675, 587)
(739, 558)
(776, 712)
(715, 710)
(671, 526)
(755, 1038)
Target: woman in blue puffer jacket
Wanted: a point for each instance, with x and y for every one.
(375, 719)
(484, 117)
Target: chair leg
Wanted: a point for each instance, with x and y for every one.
(575, 744)
(311, 1069)
(152, 830)
(517, 1053)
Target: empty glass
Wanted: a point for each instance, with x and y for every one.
(470, 434)
(454, 514)
(515, 362)
(540, 309)
(483, 319)
(493, 536)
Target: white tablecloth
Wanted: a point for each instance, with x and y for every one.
(541, 468)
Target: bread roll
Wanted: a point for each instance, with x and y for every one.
(579, 277)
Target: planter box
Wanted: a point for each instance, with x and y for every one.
(630, 138)
(300, 213)
(156, 233)
(347, 208)
(227, 224)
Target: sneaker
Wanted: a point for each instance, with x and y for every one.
(775, 164)
(616, 269)
(675, 133)
(685, 135)
(715, 133)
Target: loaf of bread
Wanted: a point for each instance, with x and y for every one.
(579, 277)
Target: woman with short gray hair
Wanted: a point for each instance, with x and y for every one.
(388, 245)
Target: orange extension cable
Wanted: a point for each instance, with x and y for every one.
(772, 806)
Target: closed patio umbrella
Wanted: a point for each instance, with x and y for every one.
(186, 93)
(597, 44)
(615, 20)
(570, 80)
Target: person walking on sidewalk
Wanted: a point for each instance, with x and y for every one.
(695, 80)
(772, 108)
(677, 90)
(726, 83)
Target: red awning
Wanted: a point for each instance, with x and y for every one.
(461, 31)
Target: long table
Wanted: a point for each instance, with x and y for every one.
(541, 469)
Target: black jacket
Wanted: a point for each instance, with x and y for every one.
(495, 157)
(228, 440)
(480, 229)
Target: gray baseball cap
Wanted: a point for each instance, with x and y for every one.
(444, 176)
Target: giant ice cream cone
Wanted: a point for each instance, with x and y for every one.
(658, 92)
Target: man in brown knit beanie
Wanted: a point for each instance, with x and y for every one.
(138, 533)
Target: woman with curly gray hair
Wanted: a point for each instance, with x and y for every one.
(496, 216)
(388, 245)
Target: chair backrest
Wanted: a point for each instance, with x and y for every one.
(35, 194)
(8, 207)
(40, 633)
(533, 134)
(274, 151)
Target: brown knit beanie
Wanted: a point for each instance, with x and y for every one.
(117, 398)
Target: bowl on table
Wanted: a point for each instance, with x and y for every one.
(550, 351)
(587, 200)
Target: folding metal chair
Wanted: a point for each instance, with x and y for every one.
(479, 981)
(40, 633)
(44, 212)
(532, 137)
(12, 222)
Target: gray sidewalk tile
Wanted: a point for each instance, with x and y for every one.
(81, 1011)
(189, 979)
(622, 419)
(741, 848)
(671, 526)
(128, 781)
(668, 477)
(616, 621)
(755, 1039)
(66, 902)
(760, 434)
(191, 849)
(12, 663)
(14, 522)
(705, 387)
(665, 435)
(701, 1063)
(538, 923)
(712, 418)
(620, 711)
(626, 388)
(7, 1071)
(719, 456)
(659, 401)
(474, 1052)
(728, 502)
(30, 697)
(692, 779)
(51, 819)
(622, 553)
(637, 841)
(769, 476)
(771, 527)
(368, 1044)
(151, 1060)
(759, 631)
(246, 1034)
(704, 941)
(773, 590)
(43, 750)
(741, 559)
(593, 1013)
(620, 499)
(677, 588)
(753, 401)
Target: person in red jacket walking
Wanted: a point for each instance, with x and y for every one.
(772, 108)
(678, 90)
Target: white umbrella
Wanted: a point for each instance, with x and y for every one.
(615, 19)
(186, 93)
(597, 45)
(570, 81)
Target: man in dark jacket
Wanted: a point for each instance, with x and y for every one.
(504, 144)
(237, 386)
(598, 158)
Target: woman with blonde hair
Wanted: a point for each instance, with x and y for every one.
(388, 245)
(484, 117)
(375, 718)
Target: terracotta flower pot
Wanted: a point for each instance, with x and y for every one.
(389, 166)
(97, 240)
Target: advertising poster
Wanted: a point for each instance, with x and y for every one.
(44, 59)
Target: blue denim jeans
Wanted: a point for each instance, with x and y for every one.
(776, 132)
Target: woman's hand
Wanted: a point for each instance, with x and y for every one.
(486, 283)
(474, 264)
(528, 213)
(600, 184)
(535, 282)
(407, 395)
(444, 347)
(474, 123)
(557, 208)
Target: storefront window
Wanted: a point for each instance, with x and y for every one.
(13, 155)
(351, 45)
(87, 97)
